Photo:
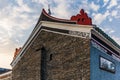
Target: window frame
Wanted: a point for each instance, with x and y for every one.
(107, 69)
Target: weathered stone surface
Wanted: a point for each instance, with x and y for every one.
(70, 59)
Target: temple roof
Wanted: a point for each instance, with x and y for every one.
(81, 18)
(46, 17)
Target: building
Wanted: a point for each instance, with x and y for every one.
(3, 70)
(5, 74)
(60, 49)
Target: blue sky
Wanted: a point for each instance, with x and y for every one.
(18, 18)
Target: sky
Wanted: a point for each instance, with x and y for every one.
(19, 17)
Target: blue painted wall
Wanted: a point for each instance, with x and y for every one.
(98, 74)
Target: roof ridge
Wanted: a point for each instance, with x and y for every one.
(107, 36)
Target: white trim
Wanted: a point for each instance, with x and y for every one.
(65, 26)
(63, 33)
(7, 73)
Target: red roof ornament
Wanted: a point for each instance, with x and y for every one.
(16, 52)
(82, 18)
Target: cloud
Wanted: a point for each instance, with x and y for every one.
(5, 61)
(98, 1)
(112, 4)
(41, 1)
(44, 3)
(94, 6)
(16, 23)
(89, 6)
(108, 30)
(62, 9)
(117, 39)
(99, 18)
(105, 2)
(118, 7)
(114, 13)
(59, 8)
(110, 19)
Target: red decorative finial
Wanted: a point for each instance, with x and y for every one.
(16, 52)
(82, 18)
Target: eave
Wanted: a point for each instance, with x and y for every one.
(107, 41)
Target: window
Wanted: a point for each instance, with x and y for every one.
(107, 65)
(51, 55)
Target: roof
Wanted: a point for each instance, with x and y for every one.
(4, 70)
(107, 36)
(81, 18)
(46, 17)
(105, 41)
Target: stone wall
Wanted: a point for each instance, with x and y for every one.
(28, 68)
(57, 57)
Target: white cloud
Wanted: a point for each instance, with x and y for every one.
(84, 5)
(99, 18)
(118, 7)
(44, 3)
(62, 9)
(112, 4)
(117, 39)
(6, 60)
(89, 6)
(110, 19)
(14, 23)
(98, 1)
(108, 30)
(105, 2)
(94, 6)
(22, 7)
(41, 1)
(114, 13)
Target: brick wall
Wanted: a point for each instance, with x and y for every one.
(57, 57)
